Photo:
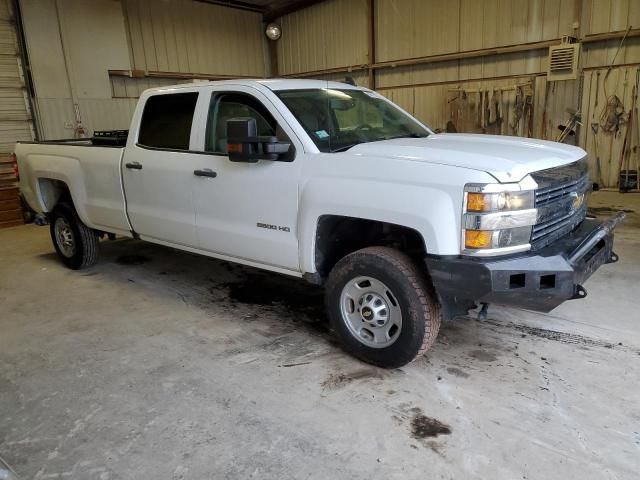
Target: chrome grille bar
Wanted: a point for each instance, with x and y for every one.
(561, 202)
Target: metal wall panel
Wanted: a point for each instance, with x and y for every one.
(418, 28)
(127, 87)
(57, 115)
(195, 37)
(326, 35)
(361, 78)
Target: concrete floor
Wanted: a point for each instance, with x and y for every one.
(157, 364)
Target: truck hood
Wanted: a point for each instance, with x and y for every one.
(508, 159)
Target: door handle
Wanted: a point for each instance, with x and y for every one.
(205, 173)
(133, 166)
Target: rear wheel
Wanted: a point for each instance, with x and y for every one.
(382, 307)
(76, 244)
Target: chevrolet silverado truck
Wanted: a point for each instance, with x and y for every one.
(335, 184)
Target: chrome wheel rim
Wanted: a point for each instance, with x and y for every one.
(64, 237)
(371, 312)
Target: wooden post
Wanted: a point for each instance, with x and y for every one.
(371, 13)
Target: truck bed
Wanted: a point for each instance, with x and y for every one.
(101, 138)
(92, 175)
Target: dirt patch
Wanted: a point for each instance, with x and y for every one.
(568, 338)
(426, 427)
(457, 372)
(483, 356)
(132, 259)
(338, 380)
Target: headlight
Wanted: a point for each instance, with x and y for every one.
(498, 218)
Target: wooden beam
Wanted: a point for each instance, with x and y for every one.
(273, 57)
(483, 52)
(314, 73)
(371, 14)
(603, 37)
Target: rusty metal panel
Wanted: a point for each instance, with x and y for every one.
(326, 35)
(195, 37)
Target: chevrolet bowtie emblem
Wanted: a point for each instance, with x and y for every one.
(578, 199)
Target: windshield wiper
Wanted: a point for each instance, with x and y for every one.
(408, 135)
(350, 145)
(344, 147)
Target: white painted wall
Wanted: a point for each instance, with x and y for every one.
(71, 45)
(95, 39)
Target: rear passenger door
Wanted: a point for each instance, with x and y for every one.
(158, 170)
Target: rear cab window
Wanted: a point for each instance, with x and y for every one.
(167, 120)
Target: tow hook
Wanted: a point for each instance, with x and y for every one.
(579, 292)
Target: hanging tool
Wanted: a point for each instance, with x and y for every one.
(625, 181)
(595, 127)
(570, 125)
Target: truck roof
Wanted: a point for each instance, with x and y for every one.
(274, 84)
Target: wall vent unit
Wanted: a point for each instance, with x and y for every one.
(563, 60)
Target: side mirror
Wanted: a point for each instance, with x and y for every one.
(244, 144)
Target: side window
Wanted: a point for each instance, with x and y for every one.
(166, 121)
(226, 106)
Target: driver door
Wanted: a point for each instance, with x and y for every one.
(247, 210)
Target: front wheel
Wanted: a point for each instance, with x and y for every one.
(76, 244)
(381, 307)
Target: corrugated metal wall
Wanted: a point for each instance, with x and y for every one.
(326, 35)
(73, 44)
(195, 37)
(331, 39)
(410, 29)
(418, 28)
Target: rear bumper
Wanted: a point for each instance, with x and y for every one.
(539, 280)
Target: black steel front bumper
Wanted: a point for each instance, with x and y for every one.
(539, 280)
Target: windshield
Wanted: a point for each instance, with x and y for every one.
(337, 120)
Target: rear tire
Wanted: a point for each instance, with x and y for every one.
(382, 308)
(76, 244)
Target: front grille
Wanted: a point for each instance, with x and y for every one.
(552, 193)
(561, 200)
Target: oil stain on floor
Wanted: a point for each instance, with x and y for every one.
(425, 427)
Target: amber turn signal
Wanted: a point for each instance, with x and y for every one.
(478, 202)
(477, 238)
(234, 147)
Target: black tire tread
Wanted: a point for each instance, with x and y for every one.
(416, 279)
(88, 243)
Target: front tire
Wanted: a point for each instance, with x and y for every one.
(382, 307)
(76, 244)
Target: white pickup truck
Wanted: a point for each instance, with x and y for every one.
(335, 184)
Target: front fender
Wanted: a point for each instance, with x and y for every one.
(433, 211)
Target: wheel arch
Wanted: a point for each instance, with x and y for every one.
(339, 235)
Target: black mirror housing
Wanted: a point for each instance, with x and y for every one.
(244, 144)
